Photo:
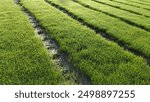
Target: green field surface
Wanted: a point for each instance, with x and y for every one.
(147, 2)
(133, 19)
(144, 1)
(122, 6)
(96, 44)
(122, 31)
(134, 3)
(23, 59)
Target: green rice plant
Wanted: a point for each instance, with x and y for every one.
(103, 61)
(126, 7)
(133, 19)
(134, 3)
(132, 37)
(144, 1)
(23, 59)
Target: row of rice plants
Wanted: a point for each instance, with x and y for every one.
(143, 1)
(125, 7)
(134, 3)
(133, 37)
(23, 59)
(104, 62)
(134, 19)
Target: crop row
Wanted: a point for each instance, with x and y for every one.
(104, 62)
(129, 8)
(23, 59)
(144, 1)
(133, 19)
(132, 37)
(133, 3)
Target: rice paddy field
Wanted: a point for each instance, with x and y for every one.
(59, 42)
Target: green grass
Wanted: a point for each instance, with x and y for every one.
(133, 37)
(141, 2)
(144, 1)
(125, 15)
(104, 62)
(126, 7)
(23, 59)
(134, 3)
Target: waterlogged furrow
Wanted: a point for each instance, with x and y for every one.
(114, 28)
(102, 61)
(130, 18)
(128, 8)
(23, 59)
